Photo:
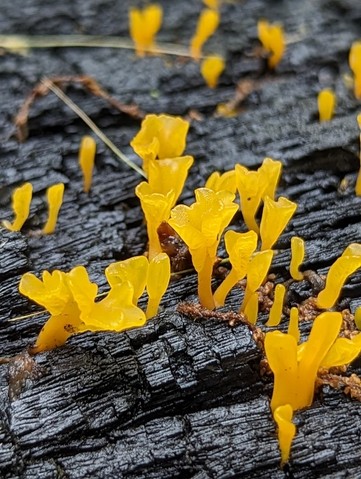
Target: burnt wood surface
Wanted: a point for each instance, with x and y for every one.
(180, 397)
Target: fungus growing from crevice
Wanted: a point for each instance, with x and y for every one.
(272, 38)
(286, 430)
(297, 257)
(54, 196)
(275, 314)
(211, 69)
(326, 102)
(21, 200)
(87, 152)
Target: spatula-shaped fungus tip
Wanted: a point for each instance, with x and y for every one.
(87, 152)
(326, 102)
(211, 69)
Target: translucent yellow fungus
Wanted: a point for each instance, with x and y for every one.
(87, 152)
(257, 270)
(270, 172)
(286, 430)
(55, 200)
(326, 102)
(240, 247)
(342, 352)
(358, 181)
(342, 268)
(272, 39)
(293, 324)
(295, 367)
(200, 226)
(207, 24)
(21, 200)
(355, 65)
(275, 314)
(275, 217)
(251, 309)
(156, 208)
(157, 282)
(358, 318)
(160, 137)
(169, 175)
(211, 69)
(297, 256)
(225, 181)
(144, 25)
(134, 270)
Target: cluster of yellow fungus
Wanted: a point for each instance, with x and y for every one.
(355, 65)
(70, 298)
(272, 38)
(326, 102)
(144, 26)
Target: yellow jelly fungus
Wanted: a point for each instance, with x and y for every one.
(250, 190)
(273, 41)
(225, 181)
(87, 152)
(297, 256)
(134, 270)
(355, 65)
(208, 22)
(251, 309)
(295, 367)
(342, 268)
(240, 247)
(55, 200)
(270, 172)
(160, 137)
(326, 102)
(21, 200)
(157, 282)
(200, 226)
(144, 25)
(275, 314)
(215, 4)
(286, 430)
(275, 217)
(211, 69)
(358, 181)
(358, 318)
(293, 324)
(156, 208)
(169, 175)
(257, 270)
(342, 352)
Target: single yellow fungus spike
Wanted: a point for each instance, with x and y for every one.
(251, 309)
(355, 65)
(275, 314)
(169, 175)
(326, 102)
(160, 137)
(273, 41)
(201, 226)
(240, 247)
(286, 430)
(358, 318)
(157, 282)
(208, 22)
(342, 352)
(358, 181)
(21, 200)
(211, 69)
(275, 217)
(156, 208)
(257, 270)
(144, 25)
(54, 196)
(270, 172)
(293, 329)
(297, 257)
(134, 270)
(342, 268)
(225, 181)
(87, 152)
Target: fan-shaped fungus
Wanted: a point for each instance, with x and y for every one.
(257, 270)
(286, 430)
(55, 200)
(250, 188)
(208, 22)
(355, 65)
(275, 314)
(200, 226)
(297, 256)
(134, 270)
(225, 181)
(211, 69)
(157, 282)
(87, 152)
(21, 200)
(275, 217)
(326, 102)
(272, 39)
(144, 25)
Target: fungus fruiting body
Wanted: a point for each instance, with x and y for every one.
(275, 217)
(225, 181)
(275, 314)
(55, 200)
(257, 270)
(286, 430)
(200, 226)
(326, 102)
(157, 282)
(21, 200)
(251, 308)
(358, 180)
(355, 65)
(272, 39)
(297, 257)
(87, 152)
(207, 24)
(211, 68)
(293, 329)
(144, 25)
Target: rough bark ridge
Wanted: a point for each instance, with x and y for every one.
(178, 398)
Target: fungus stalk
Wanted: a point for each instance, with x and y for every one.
(286, 430)
(251, 308)
(21, 200)
(157, 282)
(275, 314)
(326, 102)
(54, 196)
(297, 257)
(87, 152)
